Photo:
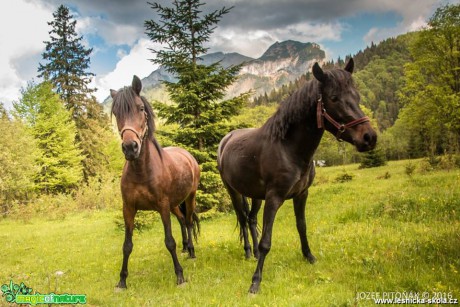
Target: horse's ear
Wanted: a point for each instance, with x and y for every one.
(113, 93)
(318, 73)
(350, 65)
(136, 85)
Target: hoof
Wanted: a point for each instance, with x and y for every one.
(248, 254)
(121, 286)
(254, 289)
(311, 258)
(180, 280)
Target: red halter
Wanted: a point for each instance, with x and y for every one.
(321, 114)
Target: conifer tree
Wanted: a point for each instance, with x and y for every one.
(67, 62)
(66, 67)
(198, 108)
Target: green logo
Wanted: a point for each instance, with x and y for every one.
(21, 294)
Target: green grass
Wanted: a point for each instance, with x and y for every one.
(369, 234)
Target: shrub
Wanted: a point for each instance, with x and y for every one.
(99, 193)
(344, 177)
(409, 168)
(144, 220)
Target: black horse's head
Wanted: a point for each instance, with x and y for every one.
(338, 108)
(134, 117)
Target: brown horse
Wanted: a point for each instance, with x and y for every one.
(154, 178)
(274, 162)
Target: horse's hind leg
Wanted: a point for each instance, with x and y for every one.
(241, 207)
(171, 244)
(128, 216)
(256, 204)
(180, 217)
(191, 221)
(299, 210)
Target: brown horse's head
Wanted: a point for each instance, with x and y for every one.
(338, 108)
(134, 117)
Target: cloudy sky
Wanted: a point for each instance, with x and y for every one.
(115, 31)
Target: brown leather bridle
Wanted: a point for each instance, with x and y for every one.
(321, 114)
(140, 136)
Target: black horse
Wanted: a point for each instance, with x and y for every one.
(274, 162)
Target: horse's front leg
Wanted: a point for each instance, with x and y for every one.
(299, 210)
(272, 204)
(171, 244)
(128, 215)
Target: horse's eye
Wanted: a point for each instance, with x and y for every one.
(334, 98)
(142, 108)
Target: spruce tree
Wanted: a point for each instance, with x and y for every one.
(198, 105)
(66, 67)
(373, 158)
(67, 62)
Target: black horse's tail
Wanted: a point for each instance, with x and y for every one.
(246, 216)
(195, 220)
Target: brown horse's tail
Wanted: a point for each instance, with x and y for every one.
(195, 220)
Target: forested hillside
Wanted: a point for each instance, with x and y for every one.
(379, 75)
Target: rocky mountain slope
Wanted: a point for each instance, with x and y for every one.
(281, 63)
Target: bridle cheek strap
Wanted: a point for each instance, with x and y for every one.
(321, 114)
(139, 136)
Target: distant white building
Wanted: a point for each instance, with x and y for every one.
(320, 163)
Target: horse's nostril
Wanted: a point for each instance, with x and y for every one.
(367, 138)
(133, 146)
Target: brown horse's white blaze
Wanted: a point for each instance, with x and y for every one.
(275, 162)
(154, 178)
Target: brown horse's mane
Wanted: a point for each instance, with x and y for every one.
(301, 103)
(124, 104)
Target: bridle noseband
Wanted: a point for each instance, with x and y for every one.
(321, 114)
(139, 136)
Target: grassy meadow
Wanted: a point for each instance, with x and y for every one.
(381, 231)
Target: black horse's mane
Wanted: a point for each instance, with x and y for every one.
(124, 104)
(292, 110)
(302, 103)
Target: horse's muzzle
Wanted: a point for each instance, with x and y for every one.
(131, 150)
(367, 142)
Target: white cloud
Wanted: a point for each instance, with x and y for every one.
(378, 34)
(254, 43)
(17, 20)
(414, 16)
(136, 62)
(111, 33)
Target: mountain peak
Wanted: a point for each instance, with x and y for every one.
(292, 49)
